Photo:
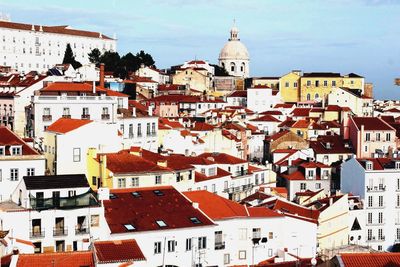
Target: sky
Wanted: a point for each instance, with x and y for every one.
(360, 36)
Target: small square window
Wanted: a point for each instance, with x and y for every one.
(242, 254)
(158, 193)
(136, 194)
(195, 220)
(129, 227)
(161, 223)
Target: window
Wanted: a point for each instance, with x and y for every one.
(242, 233)
(367, 137)
(242, 254)
(380, 217)
(2, 150)
(77, 154)
(286, 84)
(325, 83)
(202, 244)
(308, 83)
(94, 220)
(148, 129)
(30, 172)
(333, 83)
(60, 246)
(213, 188)
(85, 111)
(139, 130)
(380, 201)
(387, 136)
(1, 175)
(153, 128)
(256, 232)
(378, 136)
(308, 97)
(271, 235)
(161, 223)
(195, 220)
(318, 186)
(121, 183)
(370, 201)
(302, 186)
(227, 258)
(129, 227)
(171, 245)
(188, 244)
(369, 234)
(16, 150)
(158, 179)
(380, 234)
(135, 181)
(369, 217)
(295, 84)
(14, 174)
(105, 111)
(157, 247)
(66, 112)
(38, 247)
(316, 83)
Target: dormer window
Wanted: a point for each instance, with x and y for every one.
(368, 165)
(16, 150)
(161, 223)
(212, 171)
(310, 174)
(129, 227)
(2, 150)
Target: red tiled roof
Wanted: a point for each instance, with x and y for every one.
(238, 93)
(143, 210)
(217, 207)
(333, 108)
(287, 123)
(222, 158)
(170, 87)
(336, 145)
(199, 62)
(378, 163)
(392, 110)
(65, 125)
(301, 112)
(200, 177)
(271, 112)
(124, 162)
(276, 136)
(372, 124)
(139, 79)
(290, 208)
(65, 259)
(267, 117)
(9, 138)
(370, 259)
(170, 124)
(283, 105)
(301, 124)
(118, 251)
(173, 162)
(202, 126)
(115, 93)
(71, 87)
(63, 29)
(141, 109)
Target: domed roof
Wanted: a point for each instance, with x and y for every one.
(234, 49)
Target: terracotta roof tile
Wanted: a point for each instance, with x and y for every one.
(8, 138)
(71, 87)
(372, 124)
(65, 125)
(66, 259)
(118, 251)
(222, 158)
(370, 259)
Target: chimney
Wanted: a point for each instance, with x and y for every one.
(162, 163)
(40, 28)
(195, 205)
(102, 75)
(150, 110)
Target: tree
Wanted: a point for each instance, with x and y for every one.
(69, 57)
(145, 58)
(111, 60)
(219, 71)
(94, 56)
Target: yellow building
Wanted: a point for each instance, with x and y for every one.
(301, 127)
(289, 86)
(197, 78)
(271, 82)
(315, 86)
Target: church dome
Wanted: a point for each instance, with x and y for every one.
(234, 49)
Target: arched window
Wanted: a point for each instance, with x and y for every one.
(223, 64)
(233, 66)
(316, 96)
(242, 67)
(308, 97)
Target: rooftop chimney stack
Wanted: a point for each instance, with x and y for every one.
(102, 75)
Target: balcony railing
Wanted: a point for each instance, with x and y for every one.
(36, 233)
(84, 200)
(47, 117)
(66, 116)
(105, 116)
(376, 188)
(219, 245)
(60, 231)
(81, 230)
(85, 116)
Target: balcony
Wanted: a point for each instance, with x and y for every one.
(60, 231)
(87, 199)
(85, 116)
(105, 116)
(380, 188)
(66, 116)
(46, 117)
(81, 230)
(219, 245)
(36, 233)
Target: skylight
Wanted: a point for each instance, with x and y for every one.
(136, 194)
(161, 223)
(158, 193)
(195, 220)
(129, 227)
(113, 196)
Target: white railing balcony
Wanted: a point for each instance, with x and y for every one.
(73, 98)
